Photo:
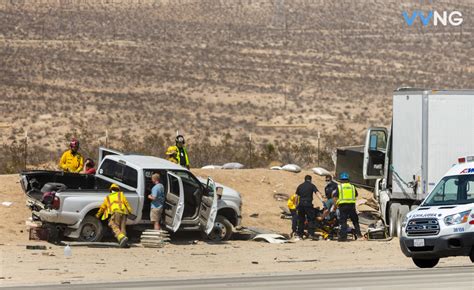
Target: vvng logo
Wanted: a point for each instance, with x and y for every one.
(444, 18)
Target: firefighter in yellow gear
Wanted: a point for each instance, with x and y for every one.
(72, 160)
(117, 207)
(178, 153)
(293, 202)
(171, 153)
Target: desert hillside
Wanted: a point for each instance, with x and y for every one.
(216, 70)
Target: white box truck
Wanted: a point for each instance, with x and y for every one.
(430, 130)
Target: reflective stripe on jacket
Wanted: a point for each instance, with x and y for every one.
(178, 156)
(114, 202)
(346, 193)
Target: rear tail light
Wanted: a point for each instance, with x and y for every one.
(56, 203)
(461, 160)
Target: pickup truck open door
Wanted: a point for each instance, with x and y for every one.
(174, 202)
(375, 150)
(106, 151)
(208, 208)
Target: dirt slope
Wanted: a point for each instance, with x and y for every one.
(185, 259)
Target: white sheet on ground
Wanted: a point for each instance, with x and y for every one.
(320, 171)
(233, 165)
(291, 168)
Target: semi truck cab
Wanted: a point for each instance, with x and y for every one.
(443, 224)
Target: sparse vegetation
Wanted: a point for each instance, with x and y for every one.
(143, 69)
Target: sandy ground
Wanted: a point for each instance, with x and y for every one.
(182, 258)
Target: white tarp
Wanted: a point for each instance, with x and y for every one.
(291, 168)
(233, 165)
(320, 171)
(212, 167)
(275, 168)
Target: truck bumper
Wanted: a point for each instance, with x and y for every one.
(53, 216)
(439, 247)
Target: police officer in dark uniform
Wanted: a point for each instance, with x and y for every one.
(305, 207)
(346, 202)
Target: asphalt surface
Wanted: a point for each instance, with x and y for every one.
(437, 278)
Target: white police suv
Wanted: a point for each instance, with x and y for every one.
(443, 224)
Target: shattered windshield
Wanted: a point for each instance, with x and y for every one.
(452, 190)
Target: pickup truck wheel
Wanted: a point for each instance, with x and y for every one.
(92, 229)
(426, 263)
(222, 230)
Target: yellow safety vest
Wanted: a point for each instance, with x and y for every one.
(115, 202)
(178, 157)
(347, 193)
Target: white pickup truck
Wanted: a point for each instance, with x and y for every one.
(443, 225)
(191, 203)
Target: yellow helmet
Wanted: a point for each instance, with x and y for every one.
(171, 150)
(114, 186)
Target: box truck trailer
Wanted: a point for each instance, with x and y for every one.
(430, 129)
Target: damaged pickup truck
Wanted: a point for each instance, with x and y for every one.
(67, 202)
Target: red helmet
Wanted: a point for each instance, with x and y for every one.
(74, 144)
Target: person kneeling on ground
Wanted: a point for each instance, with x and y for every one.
(157, 198)
(292, 204)
(116, 205)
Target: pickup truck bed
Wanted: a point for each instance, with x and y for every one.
(34, 182)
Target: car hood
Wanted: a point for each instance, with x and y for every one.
(439, 212)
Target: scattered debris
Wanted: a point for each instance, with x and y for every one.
(292, 168)
(7, 203)
(254, 262)
(281, 196)
(297, 261)
(254, 215)
(48, 254)
(48, 269)
(264, 180)
(275, 168)
(271, 238)
(285, 212)
(38, 234)
(35, 247)
(368, 217)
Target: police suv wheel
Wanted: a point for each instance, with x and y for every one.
(426, 263)
(471, 256)
(92, 229)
